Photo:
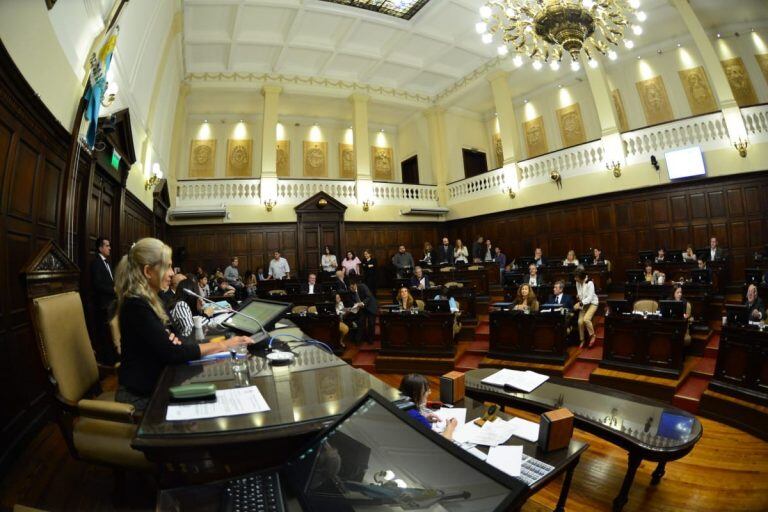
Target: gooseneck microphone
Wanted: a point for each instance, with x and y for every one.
(229, 309)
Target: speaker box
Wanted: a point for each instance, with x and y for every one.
(451, 387)
(555, 429)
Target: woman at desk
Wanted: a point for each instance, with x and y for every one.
(328, 261)
(183, 307)
(251, 283)
(688, 255)
(460, 252)
(416, 387)
(147, 344)
(652, 276)
(368, 266)
(351, 263)
(342, 312)
(677, 295)
(525, 300)
(406, 301)
(570, 259)
(586, 305)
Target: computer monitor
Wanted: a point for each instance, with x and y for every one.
(376, 457)
(753, 276)
(267, 312)
(512, 278)
(700, 275)
(737, 314)
(635, 276)
(674, 256)
(524, 262)
(293, 289)
(438, 306)
(619, 306)
(326, 308)
(644, 256)
(672, 308)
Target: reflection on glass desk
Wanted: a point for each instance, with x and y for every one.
(303, 398)
(647, 429)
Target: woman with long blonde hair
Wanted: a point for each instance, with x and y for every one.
(147, 344)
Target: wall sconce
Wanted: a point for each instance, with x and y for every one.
(367, 205)
(511, 193)
(554, 175)
(156, 176)
(269, 204)
(741, 147)
(615, 167)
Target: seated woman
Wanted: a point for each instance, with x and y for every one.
(223, 288)
(570, 259)
(688, 254)
(251, 283)
(677, 295)
(202, 283)
(416, 387)
(653, 276)
(526, 299)
(405, 300)
(147, 344)
(183, 307)
(342, 312)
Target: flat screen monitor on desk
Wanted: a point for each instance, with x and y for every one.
(737, 314)
(510, 279)
(267, 312)
(635, 276)
(375, 457)
(438, 306)
(619, 306)
(672, 308)
(701, 276)
(644, 256)
(753, 276)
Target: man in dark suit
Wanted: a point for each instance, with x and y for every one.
(339, 283)
(715, 253)
(478, 250)
(560, 297)
(311, 287)
(533, 278)
(368, 306)
(103, 289)
(538, 258)
(754, 304)
(419, 279)
(444, 252)
(660, 256)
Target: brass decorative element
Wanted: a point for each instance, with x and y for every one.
(498, 149)
(269, 204)
(655, 101)
(621, 114)
(347, 164)
(367, 204)
(322, 203)
(697, 90)
(554, 175)
(615, 167)
(571, 125)
(740, 83)
(381, 158)
(239, 157)
(741, 147)
(546, 30)
(202, 158)
(283, 160)
(535, 137)
(316, 159)
(762, 61)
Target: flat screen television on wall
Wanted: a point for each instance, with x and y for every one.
(685, 163)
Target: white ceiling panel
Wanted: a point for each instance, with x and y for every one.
(254, 57)
(349, 67)
(301, 61)
(209, 21)
(371, 37)
(207, 57)
(320, 29)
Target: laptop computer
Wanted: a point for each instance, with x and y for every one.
(375, 457)
(672, 308)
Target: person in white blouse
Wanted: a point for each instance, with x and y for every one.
(586, 305)
(278, 267)
(570, 259)
(460, 252)
(328, 261)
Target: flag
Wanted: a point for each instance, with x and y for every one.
(97, 83)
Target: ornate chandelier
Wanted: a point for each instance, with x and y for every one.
(546, 30)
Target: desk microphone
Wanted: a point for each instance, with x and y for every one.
(249, 317)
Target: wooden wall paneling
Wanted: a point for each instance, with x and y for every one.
(679, 206)
(716, 202)
(735, 202)
(698, 206)
(681, 236)
(660, 210)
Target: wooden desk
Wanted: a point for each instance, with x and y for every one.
(465, 296)
(422, 334)
(299, 299)
(626, 420)
(478, 278)
(304, 397)
(675, 271)
(323, 328)
(521, 337)
(696, 293)
(651, 346)
(599, 274)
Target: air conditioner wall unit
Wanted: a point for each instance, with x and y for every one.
(197, 213)
(425, 211)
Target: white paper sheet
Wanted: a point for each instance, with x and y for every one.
(525, 429)
(445, 414)
(525, 381)
(506, 458)
(229, 402)
(492, 433)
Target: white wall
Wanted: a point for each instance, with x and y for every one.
(464, 130)
(413, 139)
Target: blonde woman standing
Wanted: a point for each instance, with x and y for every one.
(460, 252)
(148, 345)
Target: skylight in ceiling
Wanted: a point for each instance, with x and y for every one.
(404, 9)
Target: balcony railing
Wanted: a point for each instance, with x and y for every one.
(572, 161)
(217, 192)
(296, 191)
(401, 194)
(486, 184)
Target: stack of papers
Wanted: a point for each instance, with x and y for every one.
(506, 458)
(445, 414)
(492, 433)
(229, 402)
(525, 429)
(525, 381)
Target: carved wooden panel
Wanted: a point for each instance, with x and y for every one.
(735, 202)
(698, 206)
(23, 174)
(659, 210)
(716, 203)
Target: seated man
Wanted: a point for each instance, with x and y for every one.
(223, 288)
(538, 259)
(715, 253)
(703, 266)
(403, 261)
(560, 297)
(754, 304)
(659, 256)
(533, 278)
(232, 274)
(338, 283)
(419, 279)
(311, 287)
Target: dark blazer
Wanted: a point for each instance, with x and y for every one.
(102, 284)
(527, 279)
(541, 262)
(339, 285)
(756, 306)
(719, 254)
(318, 288)
(166, 296)
(566, 300)
(366, 297)
(478, 250)
(432, 256)
(368, 268)
(443, 254)
(415, 281)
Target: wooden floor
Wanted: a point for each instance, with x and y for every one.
(727, 471)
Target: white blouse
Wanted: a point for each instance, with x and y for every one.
(586, 292)
(328, 262)
(461, 254)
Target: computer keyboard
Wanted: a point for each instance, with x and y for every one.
(532, 470)
(254, 493)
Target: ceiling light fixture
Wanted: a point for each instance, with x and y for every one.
(546, 30)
